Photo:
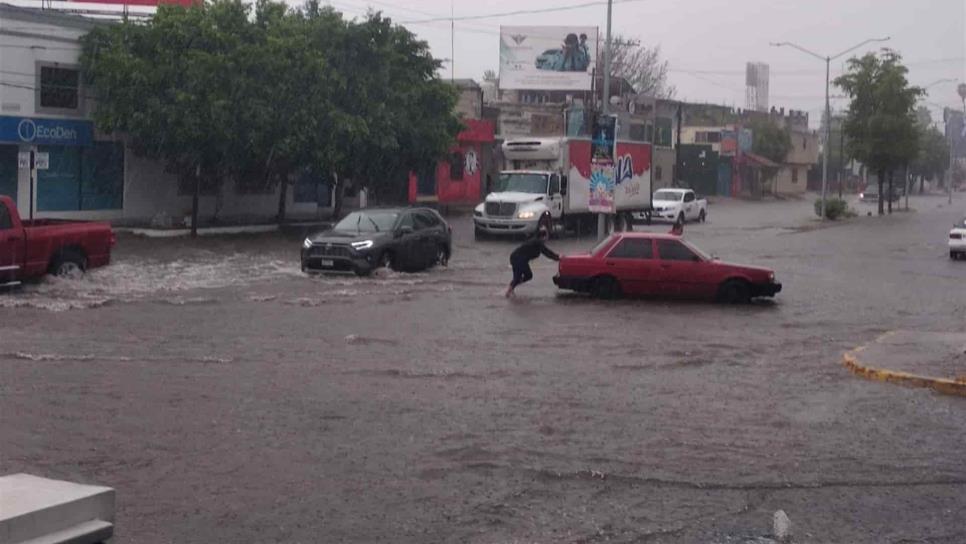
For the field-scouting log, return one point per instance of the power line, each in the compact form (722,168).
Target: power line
(518,12)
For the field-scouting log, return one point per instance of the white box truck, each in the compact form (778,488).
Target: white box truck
(546,183)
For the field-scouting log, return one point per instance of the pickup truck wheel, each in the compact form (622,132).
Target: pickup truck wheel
(702,217)
(606,288)
(478,234)
(69,264)
(681,218)
(734,292)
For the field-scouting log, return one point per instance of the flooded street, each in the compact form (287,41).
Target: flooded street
(230,398)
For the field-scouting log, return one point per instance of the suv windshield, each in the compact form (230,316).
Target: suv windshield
(373,221)
(668,195)
(522,183)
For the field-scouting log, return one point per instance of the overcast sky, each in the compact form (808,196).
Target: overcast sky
(720,37)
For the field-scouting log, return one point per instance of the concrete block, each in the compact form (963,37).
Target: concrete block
(36,510)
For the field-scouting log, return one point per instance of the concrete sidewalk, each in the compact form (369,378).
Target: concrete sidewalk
(936,360)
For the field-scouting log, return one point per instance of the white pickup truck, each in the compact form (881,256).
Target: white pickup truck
(676,204)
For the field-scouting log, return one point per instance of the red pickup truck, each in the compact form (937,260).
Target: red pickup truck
(664,265)
(30,249)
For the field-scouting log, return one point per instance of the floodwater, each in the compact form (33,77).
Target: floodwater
(228,397)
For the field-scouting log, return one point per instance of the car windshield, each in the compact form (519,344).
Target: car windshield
(522,183)
(371,221)
(668,195)
(704,256)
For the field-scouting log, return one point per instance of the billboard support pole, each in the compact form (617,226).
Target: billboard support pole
(605,107)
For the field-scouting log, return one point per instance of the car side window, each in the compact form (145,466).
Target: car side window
(689,197)
(5,221)
(632,248)
(424,221)
(407,221)
(672,250)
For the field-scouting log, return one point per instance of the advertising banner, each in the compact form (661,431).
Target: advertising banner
(628,180)
(184,3)
(35,130)
(601,187)
(547,58)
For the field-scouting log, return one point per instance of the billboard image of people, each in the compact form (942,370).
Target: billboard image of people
(547,58)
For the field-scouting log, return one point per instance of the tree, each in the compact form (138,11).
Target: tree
(881,120)
(639,65)
(770,141)
(258,95)
(933,157)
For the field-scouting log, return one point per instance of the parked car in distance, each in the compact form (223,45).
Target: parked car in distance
(957,240)
(31,249)
(871,193)
(661,265)
(406,239)
(675,205)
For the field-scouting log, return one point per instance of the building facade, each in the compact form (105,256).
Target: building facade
(46,109)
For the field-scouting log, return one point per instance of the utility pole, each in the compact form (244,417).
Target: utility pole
(452,41)
(605,107)
(828,116)
(841,155)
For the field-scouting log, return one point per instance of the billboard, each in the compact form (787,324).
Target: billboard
(547,58)
(185,3)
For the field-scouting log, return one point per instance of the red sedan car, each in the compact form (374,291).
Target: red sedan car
(649,264)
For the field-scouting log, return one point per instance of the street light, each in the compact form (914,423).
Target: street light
(828,113)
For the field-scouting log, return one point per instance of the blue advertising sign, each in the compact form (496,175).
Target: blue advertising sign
(35,130)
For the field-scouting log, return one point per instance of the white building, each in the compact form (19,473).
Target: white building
(46,108)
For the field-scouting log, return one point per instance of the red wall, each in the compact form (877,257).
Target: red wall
(467,190)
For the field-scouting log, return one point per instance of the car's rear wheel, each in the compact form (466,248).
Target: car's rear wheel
(442,255)
(69,264)
(734,292)
(605,288)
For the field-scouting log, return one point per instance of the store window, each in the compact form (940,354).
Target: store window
(794,175)
(82,178)
(59,88)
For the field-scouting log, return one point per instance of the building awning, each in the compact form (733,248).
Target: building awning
(758,160)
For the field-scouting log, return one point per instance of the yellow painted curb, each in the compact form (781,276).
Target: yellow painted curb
(940,385)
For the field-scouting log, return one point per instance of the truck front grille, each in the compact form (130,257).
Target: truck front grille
(500,209)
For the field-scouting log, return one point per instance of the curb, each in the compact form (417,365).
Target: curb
(940,385)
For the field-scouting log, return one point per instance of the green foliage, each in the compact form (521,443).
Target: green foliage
(769,140)
(834,208)
(259,93)
(881,124)
(932,159)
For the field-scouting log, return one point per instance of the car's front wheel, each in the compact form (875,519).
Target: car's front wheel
(702,217)
(442,255)
(387,260)
(734,292)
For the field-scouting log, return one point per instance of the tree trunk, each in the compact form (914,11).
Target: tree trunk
(194,202)
(282,198)
(338,197)
(881,183)
(891,175)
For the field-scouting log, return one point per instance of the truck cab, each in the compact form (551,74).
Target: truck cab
(520,202)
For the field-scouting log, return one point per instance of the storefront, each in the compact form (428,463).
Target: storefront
(459,180)
(72,173)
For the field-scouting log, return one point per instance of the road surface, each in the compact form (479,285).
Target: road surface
(229,398)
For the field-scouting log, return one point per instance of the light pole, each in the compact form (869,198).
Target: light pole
(828,114)
(961,90)
(605,107)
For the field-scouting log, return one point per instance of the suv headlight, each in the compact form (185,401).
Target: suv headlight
(526,215)
(365,244)
(307,243)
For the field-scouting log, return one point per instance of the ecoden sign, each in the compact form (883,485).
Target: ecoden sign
(547,58)
(38,131)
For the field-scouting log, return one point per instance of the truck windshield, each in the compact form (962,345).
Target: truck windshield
(522,183)
(668,195)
